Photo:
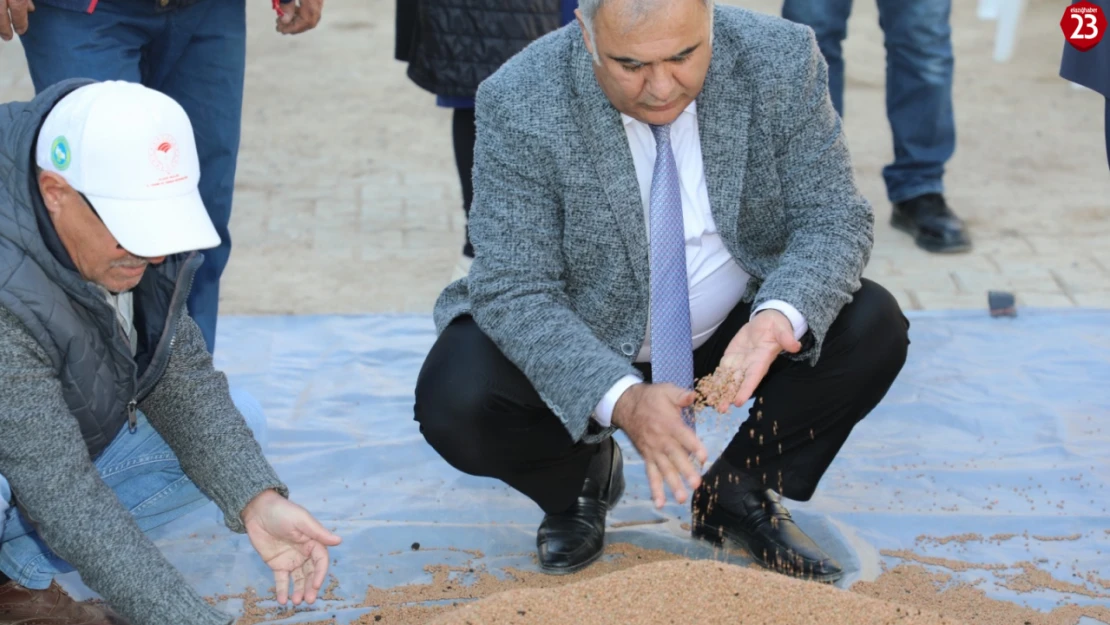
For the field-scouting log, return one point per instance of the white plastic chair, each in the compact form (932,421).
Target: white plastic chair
(1008,14)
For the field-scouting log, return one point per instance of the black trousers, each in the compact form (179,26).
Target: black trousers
(463,134)
(482,415)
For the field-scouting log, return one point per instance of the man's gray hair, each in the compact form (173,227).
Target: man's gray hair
(634,10)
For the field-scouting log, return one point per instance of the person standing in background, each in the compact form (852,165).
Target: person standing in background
(191,50)
(918,40)
(1092,70)
(451,50)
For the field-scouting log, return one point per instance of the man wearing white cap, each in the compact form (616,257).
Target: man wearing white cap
(113,419)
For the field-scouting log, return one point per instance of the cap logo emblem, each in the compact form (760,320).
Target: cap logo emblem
(60,153)
(164,154)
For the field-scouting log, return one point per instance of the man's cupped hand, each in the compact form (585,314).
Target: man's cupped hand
(754,348)
(291,542)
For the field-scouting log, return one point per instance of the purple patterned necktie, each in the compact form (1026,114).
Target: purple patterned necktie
(672,357)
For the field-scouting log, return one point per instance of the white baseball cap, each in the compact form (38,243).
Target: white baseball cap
(131,151)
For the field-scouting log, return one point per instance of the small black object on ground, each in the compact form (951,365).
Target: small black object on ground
(1001,304)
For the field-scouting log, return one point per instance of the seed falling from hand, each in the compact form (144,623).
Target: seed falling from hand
(717,389)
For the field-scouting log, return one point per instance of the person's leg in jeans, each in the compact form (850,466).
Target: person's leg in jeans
(920,64)
(200,63)
(829,21)
(61,44)
(5,502)
(146,477)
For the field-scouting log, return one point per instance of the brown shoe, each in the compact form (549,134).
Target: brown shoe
(22,606)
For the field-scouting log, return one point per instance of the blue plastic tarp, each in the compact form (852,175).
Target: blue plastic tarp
(995,426)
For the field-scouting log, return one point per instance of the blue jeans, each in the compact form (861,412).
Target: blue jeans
(194,54)
(146,477)
(919,68)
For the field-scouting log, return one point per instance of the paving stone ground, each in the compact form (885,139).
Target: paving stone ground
(347,199)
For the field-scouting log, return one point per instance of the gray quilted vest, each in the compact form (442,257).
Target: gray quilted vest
(67,315)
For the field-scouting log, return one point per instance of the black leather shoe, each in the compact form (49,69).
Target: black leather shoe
(932,224)
(758,522)
(571,540)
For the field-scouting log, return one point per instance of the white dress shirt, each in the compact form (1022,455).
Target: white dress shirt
(716,281)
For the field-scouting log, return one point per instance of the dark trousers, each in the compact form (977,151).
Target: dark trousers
(196,54)
(481,414)
(463,133)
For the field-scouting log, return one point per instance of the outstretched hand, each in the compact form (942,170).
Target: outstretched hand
(754,348)
(291,542)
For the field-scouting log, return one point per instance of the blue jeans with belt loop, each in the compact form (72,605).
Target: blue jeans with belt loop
(145,475)
(191,50)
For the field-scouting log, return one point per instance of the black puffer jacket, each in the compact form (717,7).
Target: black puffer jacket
(451,46)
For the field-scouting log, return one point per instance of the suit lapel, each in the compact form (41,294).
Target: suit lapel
(608,149)
(723,114)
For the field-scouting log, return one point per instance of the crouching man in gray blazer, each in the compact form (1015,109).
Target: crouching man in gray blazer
(662,189)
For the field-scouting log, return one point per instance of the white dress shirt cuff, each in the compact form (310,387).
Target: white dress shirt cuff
(604,412)
(795,317)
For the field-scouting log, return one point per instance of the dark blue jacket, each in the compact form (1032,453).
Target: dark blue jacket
(1091,68)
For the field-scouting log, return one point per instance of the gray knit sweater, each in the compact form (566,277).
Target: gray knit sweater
(43,456)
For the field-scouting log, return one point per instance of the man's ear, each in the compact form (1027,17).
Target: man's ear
(585,31)
(54,190)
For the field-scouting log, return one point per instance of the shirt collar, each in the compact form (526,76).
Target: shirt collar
(691,109)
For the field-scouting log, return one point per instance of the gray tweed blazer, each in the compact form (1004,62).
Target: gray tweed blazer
(560,279)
